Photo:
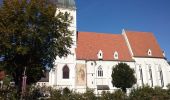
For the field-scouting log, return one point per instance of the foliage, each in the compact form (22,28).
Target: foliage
(149,93)
(160,94)
(55,94)
(6,80)
(106,96)
(141,93)
(168,89)
(7,90)
(37,93)
(9,93)
(31,37)
(77,96)
(117,95)
(89,94)
(123,76)
(66,91)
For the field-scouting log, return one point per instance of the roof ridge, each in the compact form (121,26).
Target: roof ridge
(100,33)
(138,31)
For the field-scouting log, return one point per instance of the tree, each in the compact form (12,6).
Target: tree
(31,37)
(123,76)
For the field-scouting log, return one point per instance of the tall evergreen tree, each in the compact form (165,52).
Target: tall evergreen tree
(31,37)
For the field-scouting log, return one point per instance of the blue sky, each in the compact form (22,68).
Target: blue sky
(111,16)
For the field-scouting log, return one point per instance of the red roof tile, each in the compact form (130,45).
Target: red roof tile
(89,44)
(141,42)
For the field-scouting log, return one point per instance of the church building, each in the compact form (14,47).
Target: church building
(93,55)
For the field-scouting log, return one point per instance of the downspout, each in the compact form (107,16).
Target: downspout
(86,73)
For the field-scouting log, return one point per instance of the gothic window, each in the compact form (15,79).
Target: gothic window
(161,77)
(66,72)
(150,76)
(100,72)
(141,75)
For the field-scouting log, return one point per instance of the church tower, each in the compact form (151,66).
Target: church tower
(63,73)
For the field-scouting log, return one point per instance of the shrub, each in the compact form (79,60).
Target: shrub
(55,94)
(106,96)
(119,95)
(160,94)
(89,95)
(148,93)
(141,93)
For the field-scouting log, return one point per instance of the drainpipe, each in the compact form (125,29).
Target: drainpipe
(86,73)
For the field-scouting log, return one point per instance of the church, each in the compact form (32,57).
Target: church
(93,55)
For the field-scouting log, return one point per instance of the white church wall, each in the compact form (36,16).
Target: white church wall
(93,79)
(154,63)
(57,76)
(92,73)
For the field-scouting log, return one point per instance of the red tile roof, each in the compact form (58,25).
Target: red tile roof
(89,44)
(141,42)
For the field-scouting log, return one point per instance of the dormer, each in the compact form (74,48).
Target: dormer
(100,55)
(149,52)
(116,55)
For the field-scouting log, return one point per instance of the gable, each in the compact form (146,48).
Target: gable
(142,43)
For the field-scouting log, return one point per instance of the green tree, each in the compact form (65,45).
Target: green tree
(31,37)
(123,76)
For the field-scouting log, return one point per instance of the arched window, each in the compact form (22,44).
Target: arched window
(100,72)
(141,75)
(150,76)
(161,76)
(66,72)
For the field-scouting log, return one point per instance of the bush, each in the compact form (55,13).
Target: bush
(76,96)
(141,93)
(160,94)
(106,96)
(168,89)
(9,93)
(55,94)
(148,93)
(119,95)
(89,95)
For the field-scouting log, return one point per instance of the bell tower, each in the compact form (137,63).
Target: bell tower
(57,75)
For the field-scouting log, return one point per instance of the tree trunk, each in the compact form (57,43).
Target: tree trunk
(123,89)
